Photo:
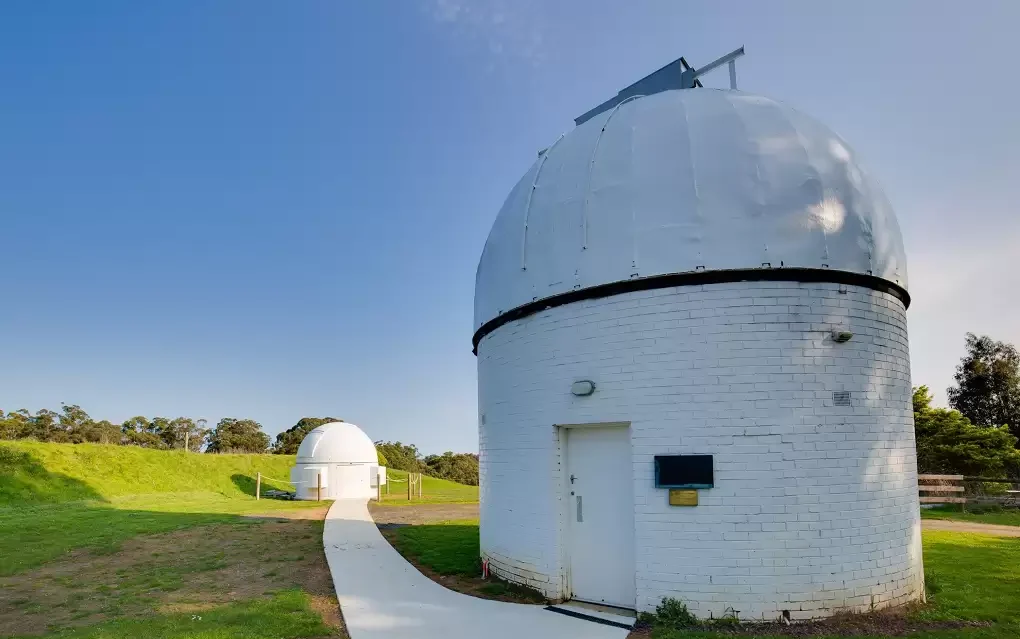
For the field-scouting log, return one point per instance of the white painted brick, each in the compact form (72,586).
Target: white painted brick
(815,506)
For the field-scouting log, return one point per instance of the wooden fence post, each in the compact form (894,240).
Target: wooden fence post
(318,486)
(258,485)
(942,489)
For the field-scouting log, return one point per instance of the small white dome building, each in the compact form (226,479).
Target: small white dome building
(345,459)
(693,375)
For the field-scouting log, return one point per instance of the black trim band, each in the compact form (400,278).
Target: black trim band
(593,618)
(693,278)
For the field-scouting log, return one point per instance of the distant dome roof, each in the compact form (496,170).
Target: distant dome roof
(682,182)
(337,443)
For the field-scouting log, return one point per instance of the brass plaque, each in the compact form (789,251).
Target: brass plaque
(679,497)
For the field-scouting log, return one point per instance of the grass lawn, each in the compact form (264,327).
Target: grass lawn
(447,547)
(1001,518)
(36,473)
(436,491)
(166,565)
(43,532)
(448,552)
(106,542)
(971,578)
(285,615)
(189,553)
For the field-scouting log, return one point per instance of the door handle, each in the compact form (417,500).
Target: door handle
(580,515)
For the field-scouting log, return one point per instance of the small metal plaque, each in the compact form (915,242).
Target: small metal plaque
(680,497)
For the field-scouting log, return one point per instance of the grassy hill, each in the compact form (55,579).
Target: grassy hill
(434,490)
(41,473)
(55,498)
(150,537)
(37,473)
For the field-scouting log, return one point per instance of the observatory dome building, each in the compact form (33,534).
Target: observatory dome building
(693,375)
(342,458)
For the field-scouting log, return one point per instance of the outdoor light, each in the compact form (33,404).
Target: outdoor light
(582,388)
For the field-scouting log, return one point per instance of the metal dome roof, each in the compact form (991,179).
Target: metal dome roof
(698,181)
(337,443)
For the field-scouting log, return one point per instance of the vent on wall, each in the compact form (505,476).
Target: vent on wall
(841,398)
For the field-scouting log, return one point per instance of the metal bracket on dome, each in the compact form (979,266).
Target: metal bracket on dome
(678,74)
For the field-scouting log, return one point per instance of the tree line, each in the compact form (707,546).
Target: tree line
(71,424)
(978,434)
(459,467)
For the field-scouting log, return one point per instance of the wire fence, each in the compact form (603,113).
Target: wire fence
(415,485)
(284,481)
(258,485)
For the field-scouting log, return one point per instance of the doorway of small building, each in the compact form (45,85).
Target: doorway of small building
(599,513)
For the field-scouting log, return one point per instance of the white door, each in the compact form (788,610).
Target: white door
(600,515)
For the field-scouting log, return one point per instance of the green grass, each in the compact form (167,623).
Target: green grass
(286,615)
(449,547)
(1000,517)
(36,472)
(59,498)
(43,532)
(436,491)
(55,498)
(970,577)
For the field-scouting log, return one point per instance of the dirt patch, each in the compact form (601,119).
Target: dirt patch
(315,514)
(887,623)
(183,571)
(421,513)
(971,527)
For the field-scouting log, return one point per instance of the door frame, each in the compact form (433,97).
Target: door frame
(562,436)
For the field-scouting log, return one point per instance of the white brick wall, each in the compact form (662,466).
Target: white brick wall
(815,506)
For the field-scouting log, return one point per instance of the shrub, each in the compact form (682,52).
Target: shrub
(672,613)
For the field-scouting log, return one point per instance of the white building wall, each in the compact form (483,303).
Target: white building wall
(815,507)
(339,481)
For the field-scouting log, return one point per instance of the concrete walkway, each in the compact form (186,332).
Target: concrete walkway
(382,596)
(970,527)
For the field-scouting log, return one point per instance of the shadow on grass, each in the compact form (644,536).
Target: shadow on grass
(244,483)
(448,549)
(24,480)
(448,553)
(43,533)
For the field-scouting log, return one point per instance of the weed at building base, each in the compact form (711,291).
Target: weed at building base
(672,620)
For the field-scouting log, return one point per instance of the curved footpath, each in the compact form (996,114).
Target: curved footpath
(383,596)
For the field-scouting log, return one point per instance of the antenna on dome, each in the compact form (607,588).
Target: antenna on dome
(678,74)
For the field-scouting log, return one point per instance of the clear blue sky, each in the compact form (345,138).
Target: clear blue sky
(269,210)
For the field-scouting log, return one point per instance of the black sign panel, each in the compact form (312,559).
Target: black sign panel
(684,471)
